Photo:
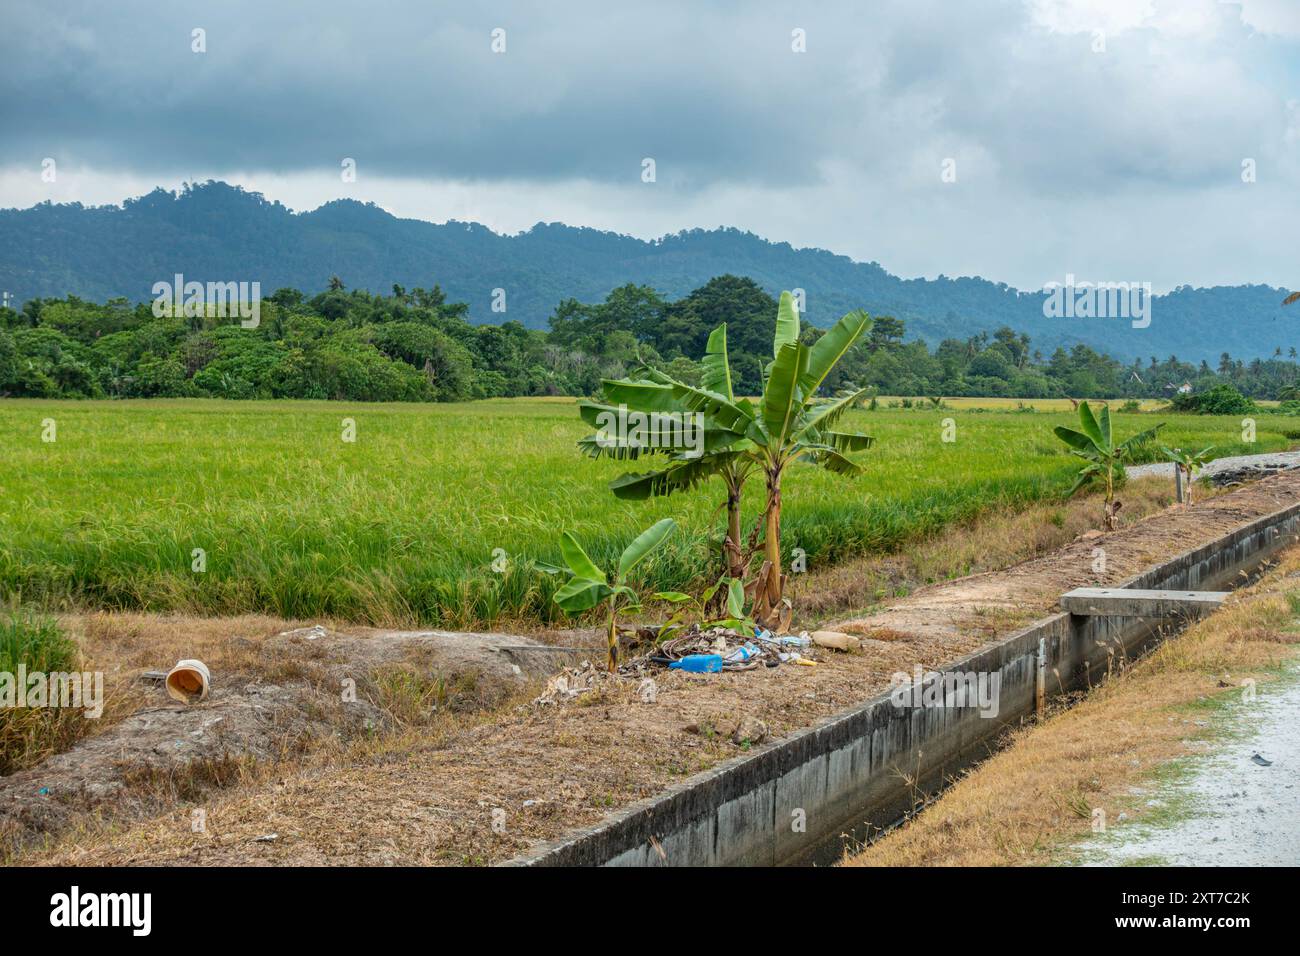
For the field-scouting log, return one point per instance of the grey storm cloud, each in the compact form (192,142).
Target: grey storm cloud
(1092,137)
(587,89)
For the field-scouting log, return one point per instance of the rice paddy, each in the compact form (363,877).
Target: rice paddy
(432,514)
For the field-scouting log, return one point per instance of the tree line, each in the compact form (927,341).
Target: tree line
(414,345)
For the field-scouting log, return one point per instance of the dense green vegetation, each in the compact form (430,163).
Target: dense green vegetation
(214,231)
(415,345)
(401,525)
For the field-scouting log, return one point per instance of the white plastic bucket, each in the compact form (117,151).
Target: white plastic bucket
(189,682)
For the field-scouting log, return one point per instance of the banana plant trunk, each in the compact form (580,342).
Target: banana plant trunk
(1110,499)
(613,638)
(731,550)
(772,537)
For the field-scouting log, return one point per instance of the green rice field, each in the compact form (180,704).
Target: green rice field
(401,526)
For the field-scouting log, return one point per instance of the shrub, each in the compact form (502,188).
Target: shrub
(36,643)
(1220,399)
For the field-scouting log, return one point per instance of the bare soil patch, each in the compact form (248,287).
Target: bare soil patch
(481,791)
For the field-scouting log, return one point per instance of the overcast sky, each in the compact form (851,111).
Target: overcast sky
(1103,138)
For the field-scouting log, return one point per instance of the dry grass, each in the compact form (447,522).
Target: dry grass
(993,541)
(1031,801)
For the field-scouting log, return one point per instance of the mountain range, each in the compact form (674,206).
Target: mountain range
(218,232)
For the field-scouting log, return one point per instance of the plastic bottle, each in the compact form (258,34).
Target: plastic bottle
(742,654)
(698,663)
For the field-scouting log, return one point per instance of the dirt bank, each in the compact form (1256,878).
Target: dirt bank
(277,695)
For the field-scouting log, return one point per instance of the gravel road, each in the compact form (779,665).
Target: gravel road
(1267,463)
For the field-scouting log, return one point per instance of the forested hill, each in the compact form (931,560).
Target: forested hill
(216,232)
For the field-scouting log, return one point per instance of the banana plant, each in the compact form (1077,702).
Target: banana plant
(1095,444)
(1190,464)
(788,424)
(589,584)
(723,452)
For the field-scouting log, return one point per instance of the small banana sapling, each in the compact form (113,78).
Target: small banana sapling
(1104,459)
(1189,464)
(589,585)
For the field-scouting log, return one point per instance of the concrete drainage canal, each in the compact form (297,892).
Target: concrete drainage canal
(802,799)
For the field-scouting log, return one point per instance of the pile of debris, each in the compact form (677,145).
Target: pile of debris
(1246,471)
(718,649)
(572,682)
(709,651)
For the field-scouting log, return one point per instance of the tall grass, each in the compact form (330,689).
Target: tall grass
(37,644)
(400,526)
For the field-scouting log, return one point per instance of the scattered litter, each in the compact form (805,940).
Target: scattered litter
(712,651)
(156,677)
(570,683)
(267,838)
(718,649)
(189,681)
(313,633)
(742,654)
(790,640)
(836,640)
(1262,761)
